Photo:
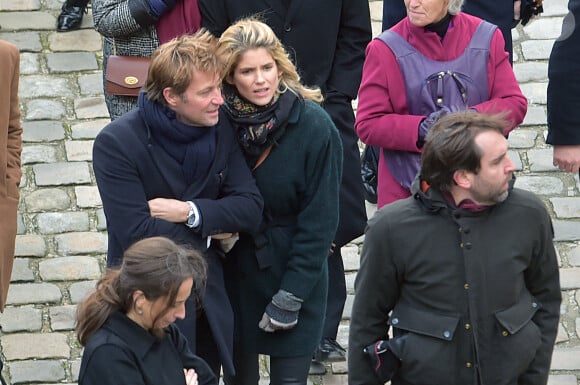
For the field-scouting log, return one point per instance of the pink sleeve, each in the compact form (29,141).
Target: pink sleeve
(505,94)
(382,118)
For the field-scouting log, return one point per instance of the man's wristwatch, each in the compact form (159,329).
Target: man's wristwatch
(190,215)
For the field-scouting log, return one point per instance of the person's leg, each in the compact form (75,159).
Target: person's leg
(289,370)
(247,370)
(1,376)
(205,345)
(329,350)
(71,15)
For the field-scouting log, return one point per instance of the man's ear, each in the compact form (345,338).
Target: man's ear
(170,96)
(463,178)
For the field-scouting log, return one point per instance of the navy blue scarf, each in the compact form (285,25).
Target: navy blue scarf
(191,146)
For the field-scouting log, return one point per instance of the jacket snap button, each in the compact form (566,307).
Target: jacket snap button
(534,304)
(468,246)
(466,286)
(504,333)
(395,321)
(467,326)
(446,334)
(468,364)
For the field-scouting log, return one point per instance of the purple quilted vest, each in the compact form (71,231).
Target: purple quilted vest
(430,85)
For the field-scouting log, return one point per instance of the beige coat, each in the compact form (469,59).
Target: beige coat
(10,171)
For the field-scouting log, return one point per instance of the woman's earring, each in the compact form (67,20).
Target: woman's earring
(139,311)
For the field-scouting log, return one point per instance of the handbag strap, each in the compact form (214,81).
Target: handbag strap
(263,157)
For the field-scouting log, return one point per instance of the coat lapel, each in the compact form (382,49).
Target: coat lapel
(286,14)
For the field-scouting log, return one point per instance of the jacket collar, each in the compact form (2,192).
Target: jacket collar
(434,200)
(139,339)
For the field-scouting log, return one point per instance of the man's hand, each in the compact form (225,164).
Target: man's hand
(190,376)
(567,158)
(171,210)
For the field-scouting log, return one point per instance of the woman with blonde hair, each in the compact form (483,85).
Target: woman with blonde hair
(280,274)
(126,324)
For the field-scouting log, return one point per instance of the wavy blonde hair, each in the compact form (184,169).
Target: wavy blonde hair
(250,33)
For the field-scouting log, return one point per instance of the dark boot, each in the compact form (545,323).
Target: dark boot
(71,15)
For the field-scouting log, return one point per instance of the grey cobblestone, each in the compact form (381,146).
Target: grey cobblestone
(32,293)
(69,268)
(101,220)
(89,129)
(21,271)
(19,319)
(36,371)
(566,207)
(80,290)
(19,5)
(537,49)
(58,174)
(89,108)
(29,63)
(42,131)
(87,196)
(62,317)
(541,160)
(91,84)
(535,92)
(22,21)
(566,231)
(574,257)
(79,150)
(54,223)
(570,278)
(24,346)
(43,109)
(566,359)
(81,40)
(541,185)
(30,246)
(522,138)
(81,243)
(26,41)
(47,199)
(38,86)
(536,116)
(71,61)
(39,154)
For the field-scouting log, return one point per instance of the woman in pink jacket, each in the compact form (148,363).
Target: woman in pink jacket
(434,61)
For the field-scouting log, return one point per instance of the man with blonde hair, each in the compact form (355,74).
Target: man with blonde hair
(172,167)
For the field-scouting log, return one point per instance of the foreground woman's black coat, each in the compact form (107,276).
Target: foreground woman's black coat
(122,352)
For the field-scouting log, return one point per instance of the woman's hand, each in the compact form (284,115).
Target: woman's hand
(171,210)
(190,376)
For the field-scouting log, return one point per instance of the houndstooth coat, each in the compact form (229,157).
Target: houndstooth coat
(124,34)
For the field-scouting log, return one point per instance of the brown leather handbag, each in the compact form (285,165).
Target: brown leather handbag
(126,74)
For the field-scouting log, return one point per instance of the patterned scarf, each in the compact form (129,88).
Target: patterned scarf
(191,146)
(258,127)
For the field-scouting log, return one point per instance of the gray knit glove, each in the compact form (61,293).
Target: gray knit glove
(281,313)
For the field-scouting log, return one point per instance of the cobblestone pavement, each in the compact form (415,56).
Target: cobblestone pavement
(62,241)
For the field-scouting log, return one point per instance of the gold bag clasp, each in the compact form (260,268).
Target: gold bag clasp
(131,80)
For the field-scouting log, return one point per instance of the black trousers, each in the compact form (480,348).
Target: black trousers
(76,3)
(283,370)
(195,327)
(336,295)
